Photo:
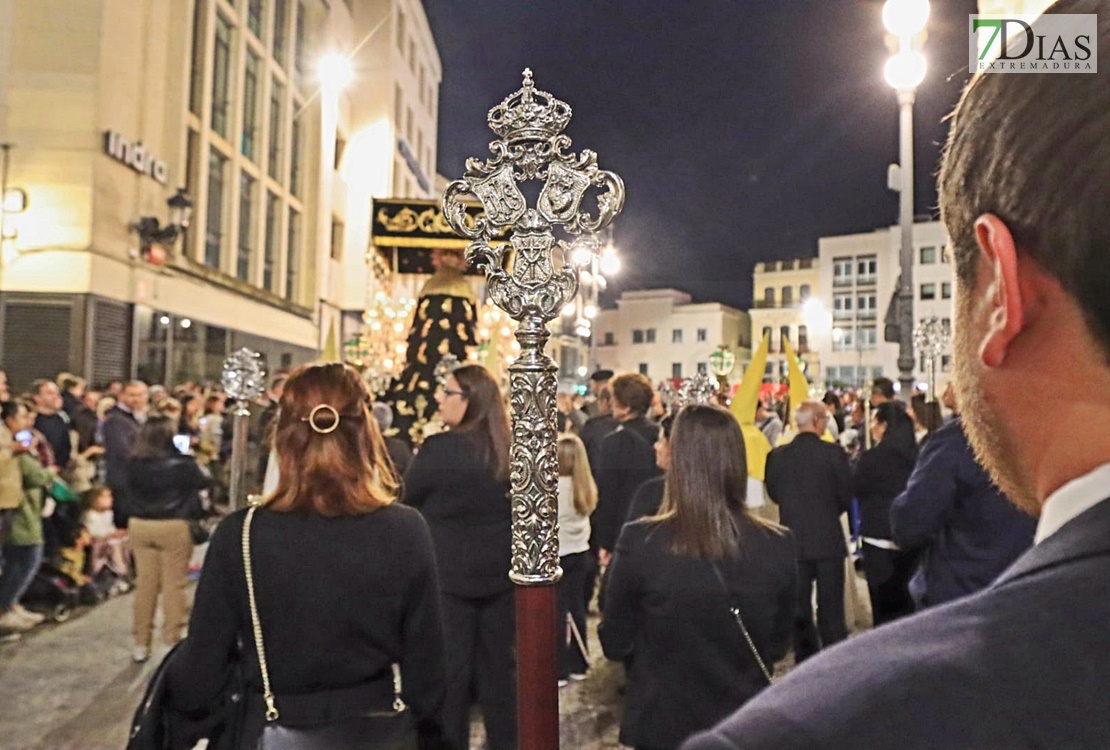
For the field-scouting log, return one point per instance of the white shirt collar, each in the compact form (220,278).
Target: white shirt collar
(1073,498)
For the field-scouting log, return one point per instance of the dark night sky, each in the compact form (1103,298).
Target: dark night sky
(743,129)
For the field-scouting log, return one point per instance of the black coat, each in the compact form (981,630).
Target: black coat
(970,530)
(592,433)
(812,484)
(627,461)
(647,500)
(119,431)
(691,665)
(165,487)
(880,476)
(1019,665)
(83,420)
(469,513)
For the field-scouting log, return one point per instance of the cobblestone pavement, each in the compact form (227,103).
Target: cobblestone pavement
(72,686)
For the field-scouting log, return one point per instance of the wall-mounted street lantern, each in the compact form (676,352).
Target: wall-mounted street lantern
(153,235)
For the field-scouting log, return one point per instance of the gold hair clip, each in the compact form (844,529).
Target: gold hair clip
(311,419)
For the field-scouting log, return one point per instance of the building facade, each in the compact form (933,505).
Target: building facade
(663,334)
(858,276)
(781,310)
(114,110)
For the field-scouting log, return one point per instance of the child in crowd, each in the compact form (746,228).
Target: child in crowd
(577,500)
(107,542)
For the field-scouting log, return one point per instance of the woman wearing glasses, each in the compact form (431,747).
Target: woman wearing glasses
(460,482)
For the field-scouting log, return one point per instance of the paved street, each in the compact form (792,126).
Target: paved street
(73,687)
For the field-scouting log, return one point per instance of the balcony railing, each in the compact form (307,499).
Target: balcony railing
(840,281)
(866,280)
(867,314)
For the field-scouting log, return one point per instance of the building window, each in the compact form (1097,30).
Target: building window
(292,257)
(868,339)
(784,334)
(246,227)
(803,292)
(221,76)
(703,368)
(281,12)
(608,340)
(787,296)
(193,156)
(842,306)
(398,105)
(803,340)
(214,226)
(842,271)
(703,335)
(866,269)
(928,255)
(928,291)
(273,205)
(249,142)
(770,338)
(336,240)
(649,335)
(408,125)
(769,296)
(254,16)
(196,80)
(277,96)
(676,369)
(412,55)
(867,306)
(946,290)
(299,54)
(401,30)
(945,362)
(637,336)
(643,368)
(843,340)
(295,172)
(676,336)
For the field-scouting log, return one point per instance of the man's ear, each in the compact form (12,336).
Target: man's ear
(1001,293)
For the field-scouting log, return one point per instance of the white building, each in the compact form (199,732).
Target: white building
(113,109)
(781,289)
(663,334)
(858,277)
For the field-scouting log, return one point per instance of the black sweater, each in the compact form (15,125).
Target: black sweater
(339,599)
(469,513)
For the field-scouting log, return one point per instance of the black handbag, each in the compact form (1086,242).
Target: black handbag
(372,730)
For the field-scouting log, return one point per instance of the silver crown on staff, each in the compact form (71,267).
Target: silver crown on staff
(698,390)
(244,378)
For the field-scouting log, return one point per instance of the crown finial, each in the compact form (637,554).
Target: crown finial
(528,78)
(529,114)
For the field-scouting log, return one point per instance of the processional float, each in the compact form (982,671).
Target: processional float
(531,277)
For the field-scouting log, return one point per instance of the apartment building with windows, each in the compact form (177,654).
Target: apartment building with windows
(114,110)
(663,334)
(781,290)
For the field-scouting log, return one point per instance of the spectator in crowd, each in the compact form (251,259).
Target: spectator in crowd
(649,496)
(11,481)
(598,380)
(266,422)
(114,389)
(882,391)
(598,427)
(577,500)
(969,530)
(344,580)
(24,543)
(5,394)
(926,417)
(1019,664)
(400,455)
(769,423)
(880,476)
(682,582)
(836,413)
(459,480)
(106,539)
(51,421)
(82,417)
(165,486)
(811,482)
(575,417)
(627,460)
(119,429)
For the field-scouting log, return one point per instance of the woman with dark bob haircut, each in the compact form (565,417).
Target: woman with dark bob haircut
(460,482)
(676,575)
(345,579)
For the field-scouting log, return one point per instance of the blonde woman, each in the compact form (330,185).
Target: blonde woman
(577,500)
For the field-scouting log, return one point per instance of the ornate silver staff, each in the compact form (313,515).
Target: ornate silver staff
(244,380)
(700,389)
(532,279)
(931,337)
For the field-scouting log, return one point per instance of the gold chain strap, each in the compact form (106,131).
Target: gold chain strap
(267,693)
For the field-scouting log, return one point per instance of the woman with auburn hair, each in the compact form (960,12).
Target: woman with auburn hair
(701,595)
(460,482)
(344,580)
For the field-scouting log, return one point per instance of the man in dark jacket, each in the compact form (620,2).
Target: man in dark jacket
(82,419)
(121,426)
(598,427)
(627,460)
(1021,663)
(970,531)
(51,421)
(812,484)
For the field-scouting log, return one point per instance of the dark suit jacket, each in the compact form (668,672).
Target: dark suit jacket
(691,664)
(1019,665)
(469,513)
(120,429)
(812,484)
(627,461)
(881,474)
(647,500)
(592,433)
(972,531)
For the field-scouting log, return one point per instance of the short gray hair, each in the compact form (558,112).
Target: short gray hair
(383,415)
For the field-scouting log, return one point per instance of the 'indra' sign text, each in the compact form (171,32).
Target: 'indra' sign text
(136,156)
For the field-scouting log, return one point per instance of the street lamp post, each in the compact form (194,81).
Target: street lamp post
(905,70)
(533,278)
